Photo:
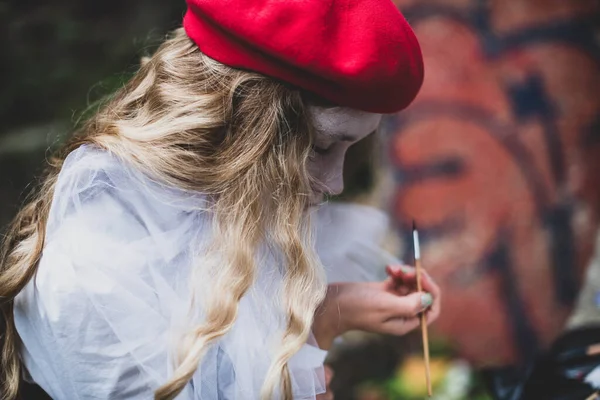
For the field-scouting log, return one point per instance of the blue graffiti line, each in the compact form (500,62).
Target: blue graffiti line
(530,97)
(591,134)
(578,32)
(562,252)
(504,134)
(448,167)
(555,217)
(526,338)
(530,100)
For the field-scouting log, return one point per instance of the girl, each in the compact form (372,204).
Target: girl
(169,251)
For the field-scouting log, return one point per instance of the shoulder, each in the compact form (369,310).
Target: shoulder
(112,269)
(108,223)
(97,192)
(111,280)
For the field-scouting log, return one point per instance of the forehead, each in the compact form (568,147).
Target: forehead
(342,120)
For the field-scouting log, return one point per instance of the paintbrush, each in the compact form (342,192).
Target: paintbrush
(417,252)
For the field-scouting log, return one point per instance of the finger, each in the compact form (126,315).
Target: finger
(397,287)
(400,326)
(328,374)
(408,274)
(400,289)
(403,278)
(436,308)
(325,396)
(427,282)
(434,311)
(409,305)
(432,315)
(400,271)
(429,285)
(403,290)
(409,285)
(328,395)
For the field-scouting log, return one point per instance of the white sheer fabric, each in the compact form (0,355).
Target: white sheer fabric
(110,298)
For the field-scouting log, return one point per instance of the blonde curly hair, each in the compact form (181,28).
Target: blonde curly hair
(242,139)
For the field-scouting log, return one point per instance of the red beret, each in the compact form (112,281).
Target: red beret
(355,53)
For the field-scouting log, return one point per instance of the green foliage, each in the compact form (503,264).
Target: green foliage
(55,54)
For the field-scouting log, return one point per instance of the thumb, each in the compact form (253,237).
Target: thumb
(400,271)
(418,302)
(328,374)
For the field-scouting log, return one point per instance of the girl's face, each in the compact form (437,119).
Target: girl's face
(336,130)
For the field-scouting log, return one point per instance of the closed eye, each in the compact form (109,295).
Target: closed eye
(322,150)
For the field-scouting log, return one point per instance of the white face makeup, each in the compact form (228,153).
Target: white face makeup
(336,130)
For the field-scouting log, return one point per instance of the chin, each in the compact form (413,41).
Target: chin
(316,201)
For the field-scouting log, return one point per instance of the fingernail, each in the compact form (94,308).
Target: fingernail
(426,300)
(407,269)
(401,268)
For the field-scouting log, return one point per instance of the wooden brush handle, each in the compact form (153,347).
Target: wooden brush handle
(424,331)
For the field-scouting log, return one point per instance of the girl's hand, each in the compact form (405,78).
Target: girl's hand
(328,395)
(389,307)
(403,280)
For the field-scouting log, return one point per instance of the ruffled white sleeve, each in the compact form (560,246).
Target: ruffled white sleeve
(110,297)
(350,242)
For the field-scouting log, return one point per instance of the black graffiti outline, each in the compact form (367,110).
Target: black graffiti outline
(555,215)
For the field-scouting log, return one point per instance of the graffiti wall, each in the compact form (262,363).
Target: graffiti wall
(488,161)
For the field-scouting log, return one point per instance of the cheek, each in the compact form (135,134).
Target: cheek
(325,168)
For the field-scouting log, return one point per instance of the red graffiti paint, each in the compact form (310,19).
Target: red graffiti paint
(484,161)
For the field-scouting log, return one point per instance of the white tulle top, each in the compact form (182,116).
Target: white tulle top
(102,316)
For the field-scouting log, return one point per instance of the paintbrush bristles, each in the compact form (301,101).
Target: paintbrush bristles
(416,244)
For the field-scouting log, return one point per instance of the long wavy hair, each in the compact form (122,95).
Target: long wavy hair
(240,138)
